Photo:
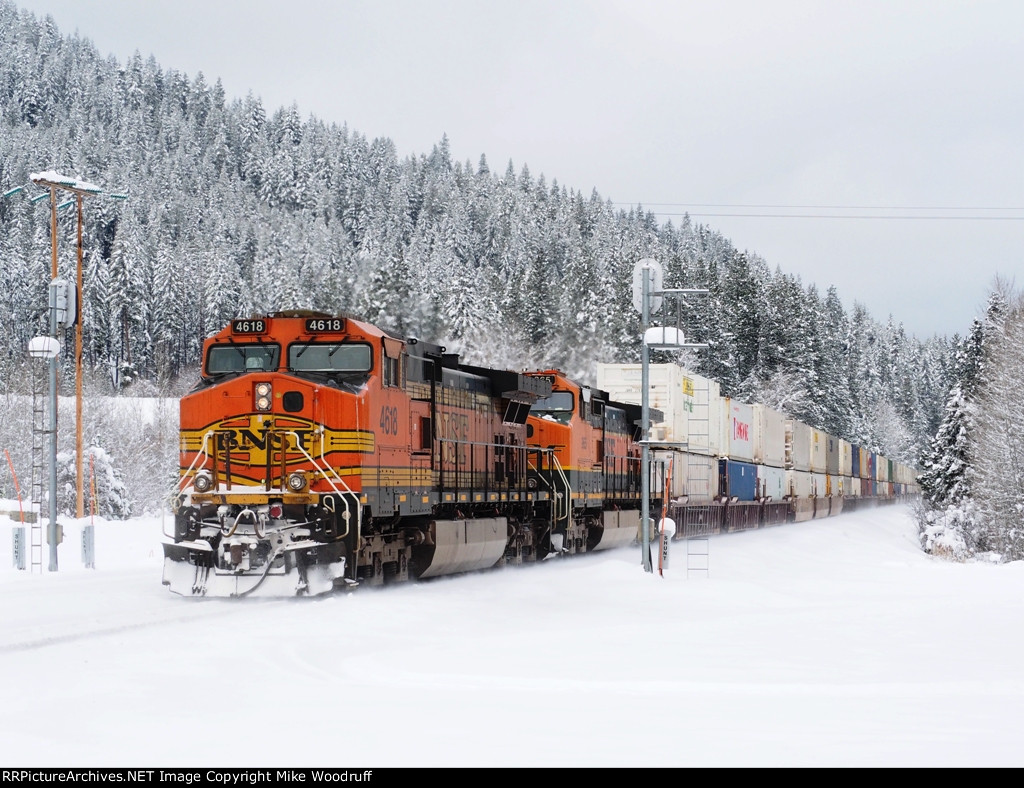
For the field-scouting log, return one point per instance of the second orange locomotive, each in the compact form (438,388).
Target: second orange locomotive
(320,452)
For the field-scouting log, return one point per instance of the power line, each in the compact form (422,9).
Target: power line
(831,207)
(838,216)
(872,216)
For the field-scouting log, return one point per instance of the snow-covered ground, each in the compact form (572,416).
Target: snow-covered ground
(830,643)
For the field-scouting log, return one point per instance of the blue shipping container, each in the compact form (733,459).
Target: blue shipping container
(737,479)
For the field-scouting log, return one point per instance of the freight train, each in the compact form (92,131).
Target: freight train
(318,452)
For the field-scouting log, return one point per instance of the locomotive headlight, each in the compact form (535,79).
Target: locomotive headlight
(264,397)
(297,482)
(202,481)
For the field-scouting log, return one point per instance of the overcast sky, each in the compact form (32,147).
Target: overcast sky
(880,109)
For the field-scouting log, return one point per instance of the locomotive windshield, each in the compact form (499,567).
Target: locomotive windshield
(558,402)
(329,357)
(223,359)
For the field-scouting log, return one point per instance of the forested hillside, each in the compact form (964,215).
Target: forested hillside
(235,208)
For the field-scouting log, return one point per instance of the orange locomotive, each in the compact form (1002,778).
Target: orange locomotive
(319,452)
(595,453)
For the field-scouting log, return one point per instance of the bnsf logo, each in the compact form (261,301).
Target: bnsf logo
(247,439)
(740,430)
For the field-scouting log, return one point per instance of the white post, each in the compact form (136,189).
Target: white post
(645,451)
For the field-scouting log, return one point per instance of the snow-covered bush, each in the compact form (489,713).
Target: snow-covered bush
(946,533)
(104,490)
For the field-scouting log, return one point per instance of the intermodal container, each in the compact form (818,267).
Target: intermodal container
(799,484)
(798,445)
(832,455)
(769,437)
(737,480)
(771,482)
(690,402)
(693,476)
(819,450)
(845,458)
(737,430)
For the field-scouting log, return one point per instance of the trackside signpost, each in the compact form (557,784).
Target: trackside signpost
(666,530)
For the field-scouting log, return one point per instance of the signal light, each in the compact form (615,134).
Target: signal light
(297,482)
(203,481)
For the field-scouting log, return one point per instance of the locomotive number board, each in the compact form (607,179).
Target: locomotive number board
(325,325)
(249,326)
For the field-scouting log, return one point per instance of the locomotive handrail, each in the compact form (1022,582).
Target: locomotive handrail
(201,452)
(313,462)
(553,460)
(524,449)
(536,470)
(323,458)
(567,498)
(568,488)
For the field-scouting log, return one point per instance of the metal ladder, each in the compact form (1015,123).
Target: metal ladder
(699,482)
(40,435)
(698,556)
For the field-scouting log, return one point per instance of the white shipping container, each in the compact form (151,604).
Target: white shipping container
(819,451)
(798,445)
(684,398)
(771,482)
(845,458)
(819,484)
(851,486)
(799,483)
(737,430)
(694,476)
(769,436)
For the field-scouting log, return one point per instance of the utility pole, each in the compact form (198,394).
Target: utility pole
(65,311)
(80,189)
(79,477)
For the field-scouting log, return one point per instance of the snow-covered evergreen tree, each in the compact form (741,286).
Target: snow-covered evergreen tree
(944,479)
(996,473)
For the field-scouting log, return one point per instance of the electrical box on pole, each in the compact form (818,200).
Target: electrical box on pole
(64,302)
